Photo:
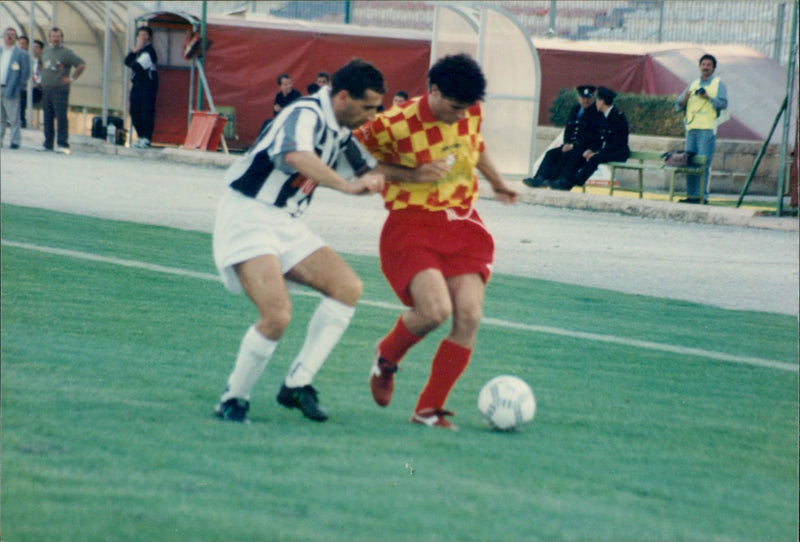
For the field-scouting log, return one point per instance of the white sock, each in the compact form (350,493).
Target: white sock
(326,327)
(254,353)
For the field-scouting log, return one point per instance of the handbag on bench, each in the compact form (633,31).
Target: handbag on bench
(677,158)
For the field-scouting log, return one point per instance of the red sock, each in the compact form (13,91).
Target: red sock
(395,345)
(449,362)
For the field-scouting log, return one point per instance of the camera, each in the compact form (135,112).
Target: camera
(700,91)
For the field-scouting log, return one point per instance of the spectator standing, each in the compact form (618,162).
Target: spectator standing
(705,103)
(259,243)
(286,95)
(15,69)
(613,144)
(60,68)
(142,60)
(36,71)
(24,44)
(581,132)
(435,251)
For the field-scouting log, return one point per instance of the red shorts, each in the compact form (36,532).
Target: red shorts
(416,240)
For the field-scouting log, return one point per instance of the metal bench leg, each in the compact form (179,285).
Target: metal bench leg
(641,188)
(611,182)
(672,186)
(703,182)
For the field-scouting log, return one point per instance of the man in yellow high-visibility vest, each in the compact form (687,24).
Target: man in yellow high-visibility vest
(703,101)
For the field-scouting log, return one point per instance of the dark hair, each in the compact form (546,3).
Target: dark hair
(356,77)
(606,95)
(325,75)
(708,57)
(607,99)
(402,93)
(459,78)
(282,76)
(146,29)
(57,29)
(23,37)
(40,43)
(312,88)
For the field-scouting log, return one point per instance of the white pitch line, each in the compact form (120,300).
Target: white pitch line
(648,345)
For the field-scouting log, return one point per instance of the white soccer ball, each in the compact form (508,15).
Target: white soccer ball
(506,403)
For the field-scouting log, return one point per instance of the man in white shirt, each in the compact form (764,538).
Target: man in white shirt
(15,69)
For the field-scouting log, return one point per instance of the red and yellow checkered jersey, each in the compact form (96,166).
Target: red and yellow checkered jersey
(409,135)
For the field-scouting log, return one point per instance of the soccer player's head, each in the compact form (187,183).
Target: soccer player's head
(459,78)
(357,89)
(356,77)
(455,83)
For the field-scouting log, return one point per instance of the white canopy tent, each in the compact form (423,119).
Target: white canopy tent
(506,54)
(98,32)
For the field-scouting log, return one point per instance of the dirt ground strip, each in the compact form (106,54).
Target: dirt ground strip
(733,267)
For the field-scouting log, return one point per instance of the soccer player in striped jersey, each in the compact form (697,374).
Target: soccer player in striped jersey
(259,243)
(435,251)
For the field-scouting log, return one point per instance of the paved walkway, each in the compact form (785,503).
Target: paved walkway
(648,208)
(567,239)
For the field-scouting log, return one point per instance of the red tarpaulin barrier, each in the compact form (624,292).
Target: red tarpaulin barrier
(246,59)
(247,56)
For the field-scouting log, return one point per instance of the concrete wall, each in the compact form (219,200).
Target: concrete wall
(733,160)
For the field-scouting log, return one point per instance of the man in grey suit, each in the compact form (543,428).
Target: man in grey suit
(15,69)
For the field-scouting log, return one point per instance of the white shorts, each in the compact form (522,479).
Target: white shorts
(246,228)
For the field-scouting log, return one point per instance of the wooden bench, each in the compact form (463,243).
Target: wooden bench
(653,161)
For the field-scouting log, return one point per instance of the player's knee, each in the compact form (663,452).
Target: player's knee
(348,292)
(274,322)
(435,313)
(467,319)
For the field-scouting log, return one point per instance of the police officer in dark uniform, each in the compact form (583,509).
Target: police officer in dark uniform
(581,132)
(613,144)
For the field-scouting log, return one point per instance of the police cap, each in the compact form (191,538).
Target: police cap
(606,94)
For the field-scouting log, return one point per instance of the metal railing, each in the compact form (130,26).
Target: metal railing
(763,25)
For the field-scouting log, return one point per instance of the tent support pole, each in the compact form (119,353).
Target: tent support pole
(761,154)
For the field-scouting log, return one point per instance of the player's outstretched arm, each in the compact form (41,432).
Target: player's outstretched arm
(502,192)
(309,165)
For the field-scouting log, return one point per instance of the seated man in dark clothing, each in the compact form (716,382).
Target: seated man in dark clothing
(286,95)
(613,144)
(581,132)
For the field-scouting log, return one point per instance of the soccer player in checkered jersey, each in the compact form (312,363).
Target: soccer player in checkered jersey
(435,251)
(259,243)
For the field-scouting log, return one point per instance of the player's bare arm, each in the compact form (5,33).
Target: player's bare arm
(309,165)
(502,192)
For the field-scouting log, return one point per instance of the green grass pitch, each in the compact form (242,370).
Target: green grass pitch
(110,373)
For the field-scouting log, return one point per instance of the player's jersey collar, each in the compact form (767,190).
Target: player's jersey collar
(425,113)
(327,108)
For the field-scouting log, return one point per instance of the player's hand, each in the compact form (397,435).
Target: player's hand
(432,171)
(367,184)
(506,195)
(566,147)
(588,154)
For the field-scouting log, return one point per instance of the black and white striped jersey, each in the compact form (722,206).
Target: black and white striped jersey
(307,124)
